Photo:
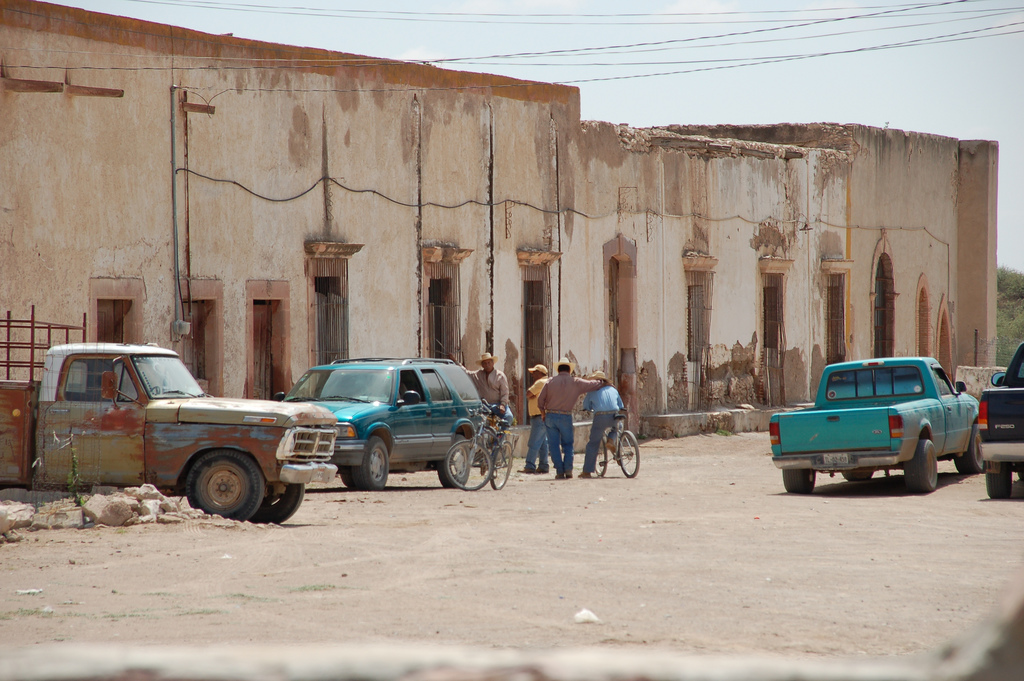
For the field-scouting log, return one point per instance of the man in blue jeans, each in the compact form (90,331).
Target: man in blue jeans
(537,445)
(556,402)
(605,403)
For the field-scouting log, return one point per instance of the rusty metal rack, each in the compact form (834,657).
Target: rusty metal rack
(24,342)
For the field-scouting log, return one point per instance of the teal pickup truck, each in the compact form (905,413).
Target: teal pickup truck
(879,414)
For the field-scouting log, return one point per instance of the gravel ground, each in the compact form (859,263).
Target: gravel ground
(703,552)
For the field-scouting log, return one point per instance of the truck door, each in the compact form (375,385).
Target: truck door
(442,411)
(945,441)
(102,439)
(959,415)
(413,439)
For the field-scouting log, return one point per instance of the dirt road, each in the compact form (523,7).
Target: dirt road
(702,552)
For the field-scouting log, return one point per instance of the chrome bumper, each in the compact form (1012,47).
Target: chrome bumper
(816,461)
(348,452)
(305,473)
(1002,451)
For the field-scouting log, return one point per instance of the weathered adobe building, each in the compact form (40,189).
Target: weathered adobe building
(295,206)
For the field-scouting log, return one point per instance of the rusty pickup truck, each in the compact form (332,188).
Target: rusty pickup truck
(123,415)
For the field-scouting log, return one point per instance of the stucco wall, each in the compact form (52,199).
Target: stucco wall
(399,158)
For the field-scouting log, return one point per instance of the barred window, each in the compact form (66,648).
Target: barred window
(774,343)
(536,315)
(836,319)
(330,308)
(699,294)
(444,331)
(698,312)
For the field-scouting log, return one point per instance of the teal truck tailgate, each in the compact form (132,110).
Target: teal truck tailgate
(834,430)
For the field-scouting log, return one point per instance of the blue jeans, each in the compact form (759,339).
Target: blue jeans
(602,422)
(537,445)
(560,433)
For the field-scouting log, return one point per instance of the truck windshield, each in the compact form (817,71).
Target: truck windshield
(352,385)
(165,377)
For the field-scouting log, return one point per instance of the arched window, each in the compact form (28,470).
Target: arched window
(885,307)
(924,330)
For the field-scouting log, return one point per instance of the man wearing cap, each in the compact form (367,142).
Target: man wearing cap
(491,383)
(538,442)
(556,403)
(605,403)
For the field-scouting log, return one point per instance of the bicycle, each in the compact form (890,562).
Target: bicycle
(487,458)
(624,450)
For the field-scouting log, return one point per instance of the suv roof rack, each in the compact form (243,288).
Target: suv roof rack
(408,360)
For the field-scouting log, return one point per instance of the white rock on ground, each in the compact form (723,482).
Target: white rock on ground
(19,514)
(112,511)
(118,508)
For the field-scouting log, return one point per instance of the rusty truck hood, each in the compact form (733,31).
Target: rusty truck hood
(229,411)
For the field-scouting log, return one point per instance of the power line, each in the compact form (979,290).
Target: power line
(746,61)
(935,40)
(535,19)
(838,34)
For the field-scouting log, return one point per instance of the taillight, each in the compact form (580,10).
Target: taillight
(983,415)
(895,426)
(773,432)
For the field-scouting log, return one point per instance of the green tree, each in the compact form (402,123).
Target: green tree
(1009,312)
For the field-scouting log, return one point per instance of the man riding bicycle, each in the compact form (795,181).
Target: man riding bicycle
(605,403)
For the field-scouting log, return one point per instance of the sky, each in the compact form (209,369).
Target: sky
(945,67)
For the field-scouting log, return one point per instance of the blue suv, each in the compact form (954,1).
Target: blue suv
(397,415)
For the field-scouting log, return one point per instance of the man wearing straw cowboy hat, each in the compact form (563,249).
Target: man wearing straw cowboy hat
(556,403)
(605,403)
(538,443)
(491,383)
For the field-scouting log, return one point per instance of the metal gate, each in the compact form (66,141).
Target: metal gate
(774,347)
(444,329)
(699,294)
(330,308)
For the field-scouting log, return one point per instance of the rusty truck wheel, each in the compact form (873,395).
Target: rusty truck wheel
(278,508)
(226,482)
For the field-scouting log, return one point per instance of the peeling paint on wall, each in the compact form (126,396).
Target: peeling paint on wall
(648,388)
(818,365)
(731,379)
(772,240)
(678,390)
(795,375)
(515,381)
(300,139)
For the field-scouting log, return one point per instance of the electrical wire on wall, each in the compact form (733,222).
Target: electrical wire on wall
(563,211)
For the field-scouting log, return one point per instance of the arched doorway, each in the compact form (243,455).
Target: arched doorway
(620,265)
(924,326)
(885,308)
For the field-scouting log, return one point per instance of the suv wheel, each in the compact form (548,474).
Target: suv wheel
(372,474)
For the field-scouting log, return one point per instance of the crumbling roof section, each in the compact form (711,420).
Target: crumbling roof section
(645,140)
(807,135)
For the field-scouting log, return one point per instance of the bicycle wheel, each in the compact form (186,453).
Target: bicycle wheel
(468,465)
(601,467)
(629,454)
(502,465)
